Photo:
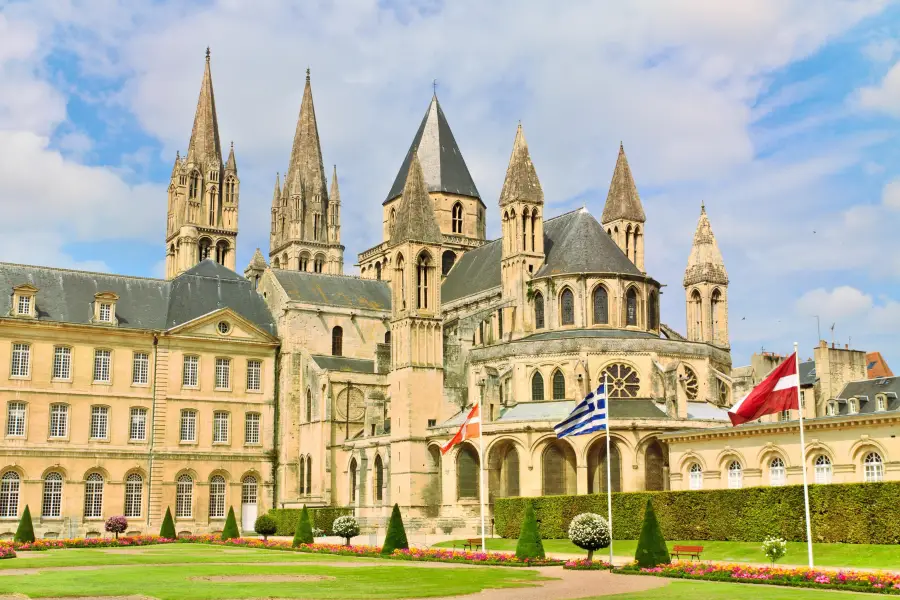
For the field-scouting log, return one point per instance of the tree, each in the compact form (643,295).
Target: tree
(395,539)
(25,532)
(303,534)
(265,526)
(530,545)
(651,548)
(347,527)
(230,530)
(116,525)
(589,532)
(168,526)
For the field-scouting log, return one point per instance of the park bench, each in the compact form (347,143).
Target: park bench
(472,544)
(691,551)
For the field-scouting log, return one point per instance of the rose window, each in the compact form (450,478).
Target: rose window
(689,381)
(622,379)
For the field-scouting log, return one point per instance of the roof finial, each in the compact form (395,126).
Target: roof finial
(207,54)
(307,74)
(434,87)
(703,207)
(178,155)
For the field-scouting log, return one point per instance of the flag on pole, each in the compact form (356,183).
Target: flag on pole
(775,393)
(471,428)
(588,416)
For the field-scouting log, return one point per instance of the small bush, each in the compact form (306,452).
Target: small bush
(168,526)
(774,548)
(25,531)
(265,526)
(589,532)
(303,534)
(651,548)
(230,531)
(347,527)
(530,544)
(116,525)
(396,534)
(317,532)
(321,518)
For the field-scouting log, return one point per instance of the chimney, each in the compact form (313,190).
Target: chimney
(846,346)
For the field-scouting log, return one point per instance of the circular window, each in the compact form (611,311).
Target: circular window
(623,380)
(691,387)
(224,327)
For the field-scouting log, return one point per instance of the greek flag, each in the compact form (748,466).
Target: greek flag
(588,416)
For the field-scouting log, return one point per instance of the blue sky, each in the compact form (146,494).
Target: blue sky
(781,116)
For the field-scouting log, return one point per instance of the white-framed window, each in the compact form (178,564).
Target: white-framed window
(696,477)
(140,368)
(777,473)
(248,490)
(217,497)
(24,305)
(823,469)
(830,409)
(873,468)
(102,361)
(784,415)
(735,475)
(251,428)
(15,419)
(93,496)
(880,403)
(51,506)
(137,430)
(99,422)
(184,497)
(190,370)
(254,375)
(220,427)
(9,495)
(223,373)
(105,312)
(134,493)
(62,363)
(21,360)
(189,426)
(59,420)
(852,406)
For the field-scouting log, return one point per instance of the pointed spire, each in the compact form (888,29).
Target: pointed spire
(334,197)
(521,181)
(177,166)
(276,197)
(231,165)
(623,201)
(258,261)
(705,263)
(204,145)
(306,171)
(415,218)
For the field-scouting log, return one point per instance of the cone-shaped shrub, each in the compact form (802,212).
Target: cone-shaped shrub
(651,548)
(530,545)
(25,532)
(168,526)
(230,530)
(303,534)
(395,539)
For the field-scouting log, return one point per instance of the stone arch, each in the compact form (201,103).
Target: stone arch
(689,458)
(600,305)
(448,259)
(539,316)
(537,386)
(378,479)
(467,460)
(817,448)
(558,469)
(596,458)
(504,464)
(65,473)
(97,469)
(768,452)
(863,446)
(727,455)
(566,301)
(656,465)
(632,306)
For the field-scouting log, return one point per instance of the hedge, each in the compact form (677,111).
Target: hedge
(856,513)
(286,519)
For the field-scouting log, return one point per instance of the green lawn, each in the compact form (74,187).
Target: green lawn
(694,590)
(869,556)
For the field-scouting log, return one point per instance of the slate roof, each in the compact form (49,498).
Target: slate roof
(706,411)
(476,271)
(622,201)
(521,183)
(415,218)
(808,372)
(442,163)
(866,390)
(588,333)
(67,296)
(334,290)
(344,364)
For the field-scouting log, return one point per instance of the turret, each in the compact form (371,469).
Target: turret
(706,287)
(334,210)
(623,216)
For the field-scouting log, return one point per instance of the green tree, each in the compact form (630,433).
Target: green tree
(25,532)
(395,539)
(265,526)
(530,545)
(168,526)
(651,548)
(231,529)
(303,534)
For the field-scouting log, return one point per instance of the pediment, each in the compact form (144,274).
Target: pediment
(223,324)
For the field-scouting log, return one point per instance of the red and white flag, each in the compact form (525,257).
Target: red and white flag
(471,428)
(777,392)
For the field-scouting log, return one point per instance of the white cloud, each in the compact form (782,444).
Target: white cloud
(885,96)
(890,195)
(881,50)
(839,303)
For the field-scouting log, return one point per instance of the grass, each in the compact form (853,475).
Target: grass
(867,556)
(692,590)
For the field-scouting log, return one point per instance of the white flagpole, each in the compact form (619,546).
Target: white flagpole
(481,471)
(809,547)
(608,469)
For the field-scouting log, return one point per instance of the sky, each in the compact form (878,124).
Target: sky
(780,115)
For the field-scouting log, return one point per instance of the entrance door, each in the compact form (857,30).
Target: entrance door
(248,503)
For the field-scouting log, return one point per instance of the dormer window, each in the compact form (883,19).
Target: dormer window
(24,305)
(23,300)
(105,312)
(880,403)
(105,308)
(852,406)
(830,409)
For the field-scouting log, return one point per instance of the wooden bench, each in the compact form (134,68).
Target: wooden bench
(472,544)
(691,551)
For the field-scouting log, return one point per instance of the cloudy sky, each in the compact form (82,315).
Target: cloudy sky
(781,115)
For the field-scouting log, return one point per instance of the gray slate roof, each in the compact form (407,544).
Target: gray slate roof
(344,364)
(706,411)
(588,333)
(476,271)
(808,372)
(335,290)
(866,390)
(67,296)
(415,218)
(442,163)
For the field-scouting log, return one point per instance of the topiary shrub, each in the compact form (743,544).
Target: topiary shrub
(117,524)
(265,526)
(530,545)
(651,549)
(321,518)
(303,534)
(395,539)
(168,526)
(347,527)
(230,531)
(25,531)
(589,532)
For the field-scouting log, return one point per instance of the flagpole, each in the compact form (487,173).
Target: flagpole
(481,472)
(608,469)
(809,547)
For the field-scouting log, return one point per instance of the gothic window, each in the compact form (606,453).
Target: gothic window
(537,386)
(457,218)
(653,312)
(525,220)
(601,306)
(654,467)
(308,475)
(567,307)
(379,480)
(467,472)
(534,218)
(387,337)
(316,227)
(538,311)
(722,392)
(508,484)
(634,244)
(309,394)
(627,241)
(221,251)
(212,206)
(378,271)
(447,261)
(337,341)
(304,262)
(205,248)
(229,190)
(553,469)
(696,324)
(505,227)
(631,307)
(352,481)
(194,187)
(401,273)
(319,263)
(597,479)
(391,222)
(302,475)
(276,263)
(715,305)
(500,323)
(422,273)
(690,383)
(559,385)
(623,380)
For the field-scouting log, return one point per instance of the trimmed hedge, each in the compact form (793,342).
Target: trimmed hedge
(286,519)
(855,513)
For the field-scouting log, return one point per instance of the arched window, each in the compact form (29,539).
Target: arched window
(378,271)
(627,241)
(567,307)
(93,496)
(391,221)
(467,472)
(308,475)
(249,490)
(184,497)
(823,469)
(690,383)
(631,307)
(622,379)
(221,251)
(597,468)
(52,501)
(302,475)
(696,477)
(634,245)
(379,479)
(134,494)
(735,475)
(601,306)
(448,259)
(276,263)
(337,341)
(538,310)
(559,385)
(696,323)
(873,468)
(303,264)
(194,186)
(777,474)
(537,386)
(205,245)
(9,495)
(217,497)
(525,220)
(504,471)
(654,467)
(401,274)
(422,275)
(652,312)
(309,405)
(457,218)
(387,337)
(319,263)
(715,305)
(554,470)
(229,190)
(352,481)
(534,218)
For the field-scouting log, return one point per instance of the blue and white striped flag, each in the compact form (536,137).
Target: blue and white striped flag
(588,416)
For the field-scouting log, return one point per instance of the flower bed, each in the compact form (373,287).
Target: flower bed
(123,542)
(478,558)
(584,564)
(7,552)
(856,581)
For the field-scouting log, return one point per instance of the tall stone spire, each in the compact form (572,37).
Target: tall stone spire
(334,196)
(306,170)
(276,197)
(415,220)
(706,288)
(231,163)
(204,145)
(334,210)
(705,263)
(521,183)
(622,201)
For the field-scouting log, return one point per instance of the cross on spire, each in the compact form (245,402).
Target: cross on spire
(434,86)
(207,54)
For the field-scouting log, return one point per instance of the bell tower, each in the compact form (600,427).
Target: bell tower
(706,288)
(623,216)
